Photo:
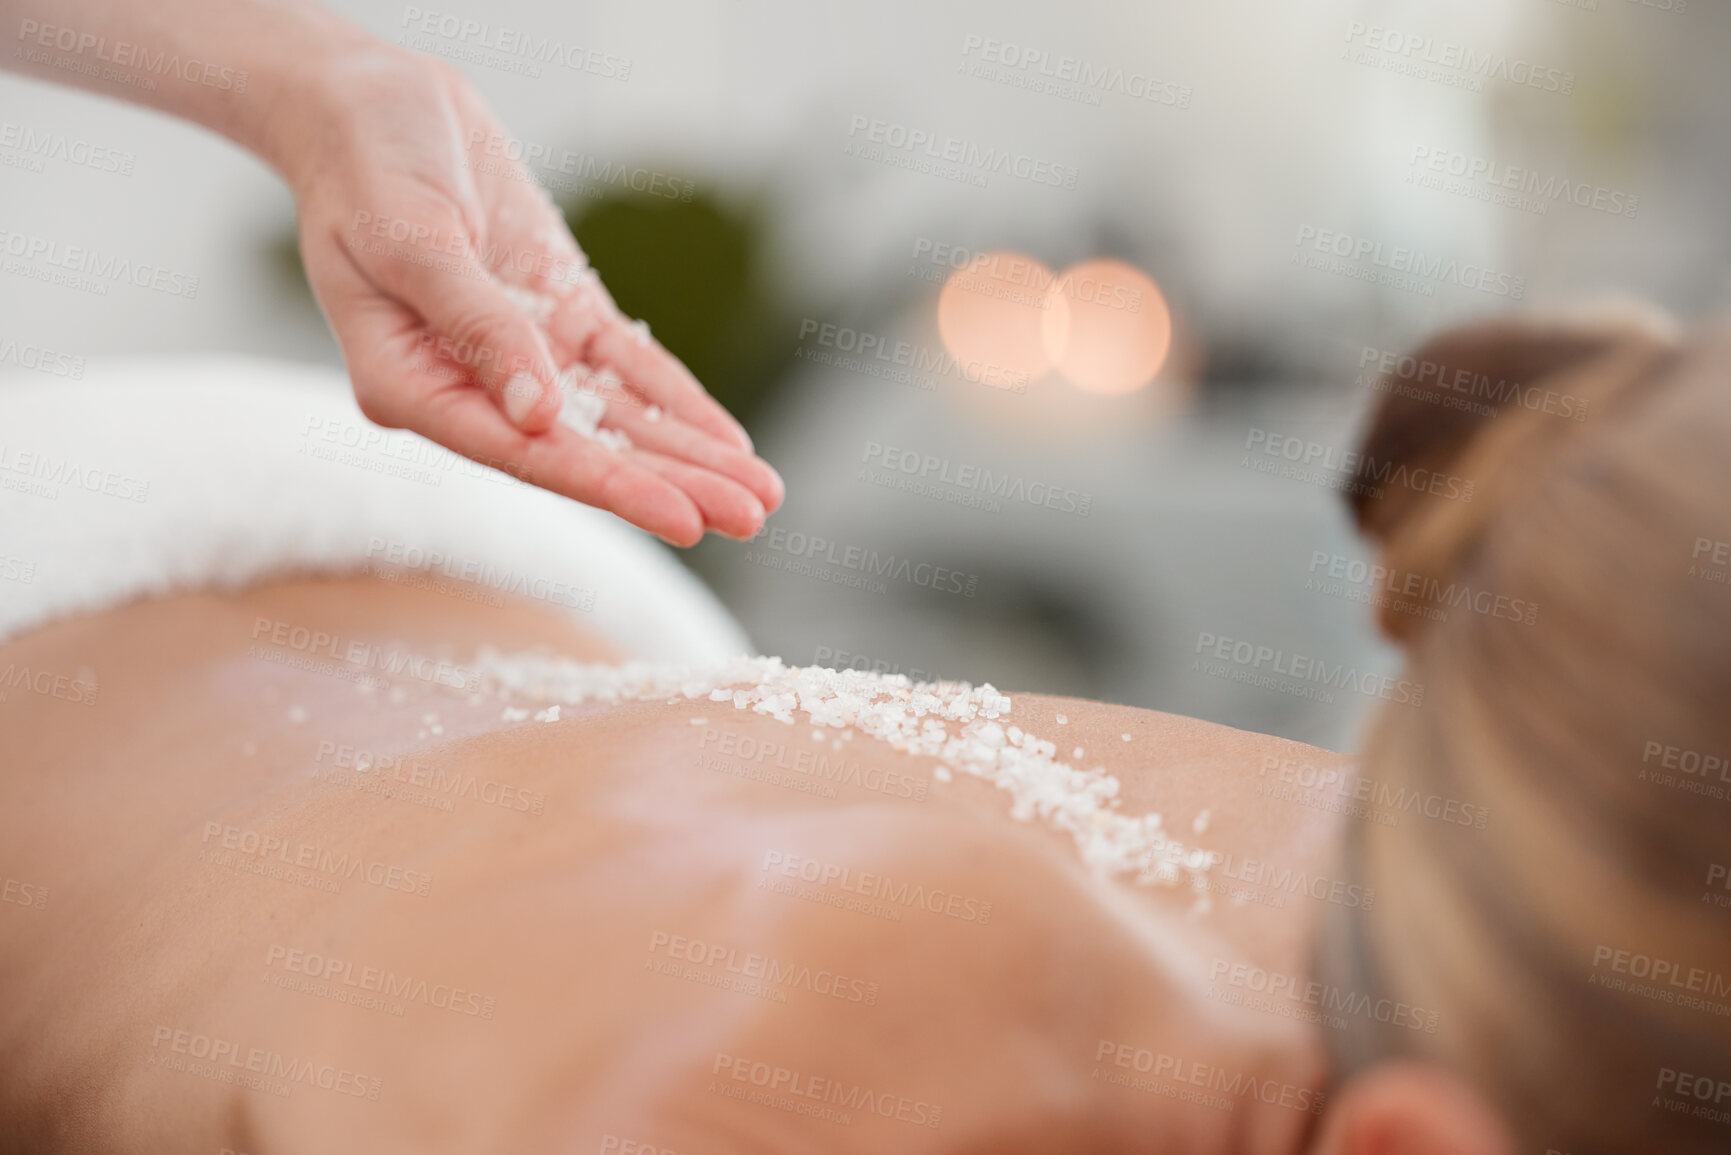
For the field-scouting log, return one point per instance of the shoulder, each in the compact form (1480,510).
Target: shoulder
(1159,756)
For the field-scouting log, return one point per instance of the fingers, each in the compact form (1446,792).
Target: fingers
(384,344)
(563,461)
(733,489)
(728,507)
(677,485)
(585,324)
(480,326)
(382,341)
(664,434)
(675,500)
(599,335)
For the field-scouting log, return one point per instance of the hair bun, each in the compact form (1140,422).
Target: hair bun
(1484,407)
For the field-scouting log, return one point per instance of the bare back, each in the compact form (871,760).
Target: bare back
(299,887)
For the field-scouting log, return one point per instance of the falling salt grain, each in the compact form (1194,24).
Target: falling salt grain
(1201,824)
(942,773)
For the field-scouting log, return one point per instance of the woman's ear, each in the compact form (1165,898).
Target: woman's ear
(1411,1108)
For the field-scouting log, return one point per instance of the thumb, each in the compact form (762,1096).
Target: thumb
(478,324)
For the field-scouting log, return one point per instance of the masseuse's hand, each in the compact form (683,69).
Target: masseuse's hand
(415,227)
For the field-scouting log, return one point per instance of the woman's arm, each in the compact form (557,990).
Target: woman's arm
(238,67)
(414,251)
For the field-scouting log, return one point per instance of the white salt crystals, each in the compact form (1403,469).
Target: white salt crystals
(955,723)
(582,411)
(539,306)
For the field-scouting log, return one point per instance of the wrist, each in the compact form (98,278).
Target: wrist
(302,92)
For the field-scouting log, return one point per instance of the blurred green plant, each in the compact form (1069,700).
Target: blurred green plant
(696,271)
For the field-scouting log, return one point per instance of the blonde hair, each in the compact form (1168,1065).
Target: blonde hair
(1523,932)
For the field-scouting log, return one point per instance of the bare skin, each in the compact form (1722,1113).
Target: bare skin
(591,882)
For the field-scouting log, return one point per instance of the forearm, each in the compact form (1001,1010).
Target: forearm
(242,68)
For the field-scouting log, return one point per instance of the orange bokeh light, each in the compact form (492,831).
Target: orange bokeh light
(992,318)
(1106,327)
(1008,320)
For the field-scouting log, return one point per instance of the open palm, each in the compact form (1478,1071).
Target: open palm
(458,295)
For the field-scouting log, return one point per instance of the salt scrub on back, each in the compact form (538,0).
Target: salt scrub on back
(958,724)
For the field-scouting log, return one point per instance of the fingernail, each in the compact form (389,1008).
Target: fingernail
(522,394)
(745,439)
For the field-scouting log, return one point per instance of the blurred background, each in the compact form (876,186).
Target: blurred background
(1059,320)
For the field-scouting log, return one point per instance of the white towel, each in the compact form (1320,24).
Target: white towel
(154,476)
